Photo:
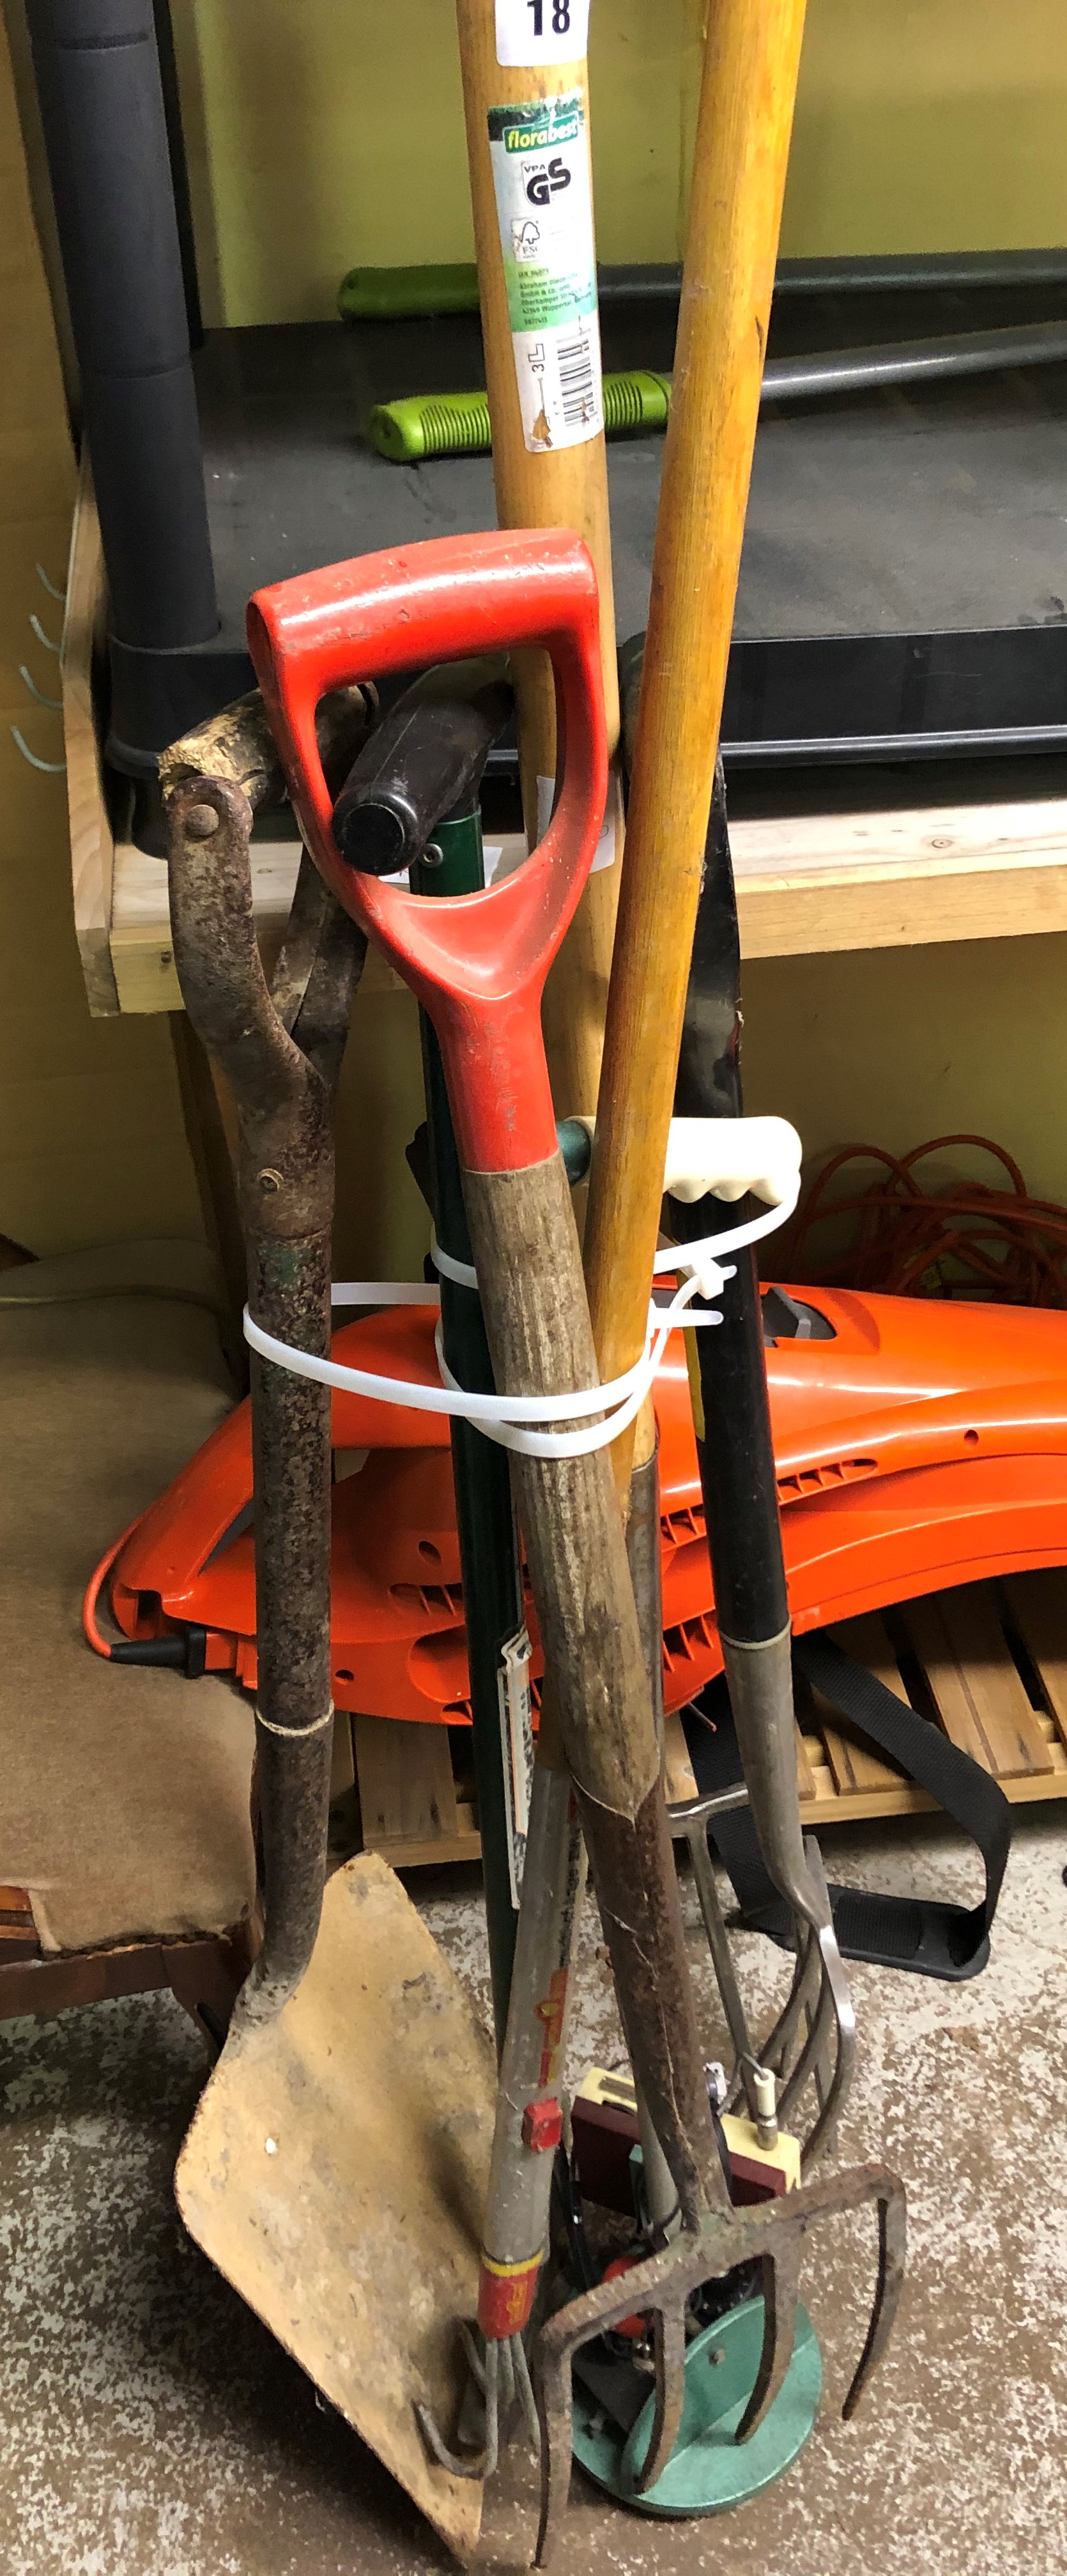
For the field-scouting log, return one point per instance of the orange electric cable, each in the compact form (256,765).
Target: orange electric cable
(964,1240)
(93,1589)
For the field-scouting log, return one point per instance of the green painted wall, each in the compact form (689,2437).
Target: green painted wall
(331,132)
(894,1046)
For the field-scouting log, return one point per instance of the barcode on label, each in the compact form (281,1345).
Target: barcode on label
(576,381)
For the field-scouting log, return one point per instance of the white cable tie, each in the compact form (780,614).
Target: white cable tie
(295,1734)
(384,1292)
(681,1256)
(463,1272)
(413,1393)
(512,1420)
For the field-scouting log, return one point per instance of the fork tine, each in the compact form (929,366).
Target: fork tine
(669,2331)
(552,2393)
(826,2071)
(775,2048)
(524,2388)
(722,1962)
(823,2130)
(892,2247)
(781,2290)
(820,2017)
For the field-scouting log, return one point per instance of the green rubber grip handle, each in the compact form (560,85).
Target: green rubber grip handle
(423,425)
(401,294)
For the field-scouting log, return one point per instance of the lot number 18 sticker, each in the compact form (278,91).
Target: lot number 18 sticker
(541,176)
(541,31)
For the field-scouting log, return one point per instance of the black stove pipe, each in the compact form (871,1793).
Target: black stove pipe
(179,171)
(105,131)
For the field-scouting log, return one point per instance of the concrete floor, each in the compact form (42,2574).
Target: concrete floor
(152,2428)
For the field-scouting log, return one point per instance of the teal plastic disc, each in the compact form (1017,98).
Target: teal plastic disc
(708,2470)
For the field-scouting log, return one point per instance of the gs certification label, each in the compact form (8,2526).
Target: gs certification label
(540,164)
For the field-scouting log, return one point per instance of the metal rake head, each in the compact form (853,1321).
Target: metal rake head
(661,2288)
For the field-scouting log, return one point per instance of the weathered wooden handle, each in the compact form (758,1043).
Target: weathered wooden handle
(751,55)
(526,1254)
(238,745)
(286,1191)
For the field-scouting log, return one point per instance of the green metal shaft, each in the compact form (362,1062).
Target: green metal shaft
(490,1563)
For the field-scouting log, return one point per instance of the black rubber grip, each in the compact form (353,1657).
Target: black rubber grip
(423,764)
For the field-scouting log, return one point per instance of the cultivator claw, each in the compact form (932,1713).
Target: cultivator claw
(500,2374)
(661,2288)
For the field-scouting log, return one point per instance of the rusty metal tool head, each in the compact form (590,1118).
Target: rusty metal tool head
(661,2287)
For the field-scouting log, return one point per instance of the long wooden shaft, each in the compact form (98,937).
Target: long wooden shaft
(751,58)
(529,1271)
(559,487)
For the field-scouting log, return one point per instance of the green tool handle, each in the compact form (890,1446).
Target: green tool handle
(490,1564)
(424,425)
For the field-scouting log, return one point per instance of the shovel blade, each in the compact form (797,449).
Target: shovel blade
(336,2174)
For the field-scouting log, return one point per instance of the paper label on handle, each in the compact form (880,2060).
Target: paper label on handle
(541,31)
(607,848)
(540,161)
(516,1745)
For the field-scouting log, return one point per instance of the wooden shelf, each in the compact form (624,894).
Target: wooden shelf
(810,883)
(92,842)
(805,883)
(959,1657)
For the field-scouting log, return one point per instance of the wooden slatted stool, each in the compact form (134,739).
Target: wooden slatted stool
(985,1662)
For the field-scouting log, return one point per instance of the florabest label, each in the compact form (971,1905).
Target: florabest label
(544,207)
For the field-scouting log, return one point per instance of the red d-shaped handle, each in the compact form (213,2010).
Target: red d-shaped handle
(478,963)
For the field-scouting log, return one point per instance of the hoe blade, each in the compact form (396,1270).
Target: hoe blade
(336,2174)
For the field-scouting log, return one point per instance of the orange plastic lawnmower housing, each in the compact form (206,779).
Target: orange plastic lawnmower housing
(918,1445)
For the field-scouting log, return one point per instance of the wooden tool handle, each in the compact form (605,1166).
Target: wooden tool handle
(526,1254)
(565,488)
(286,1192)
(238,745)
(751,56)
